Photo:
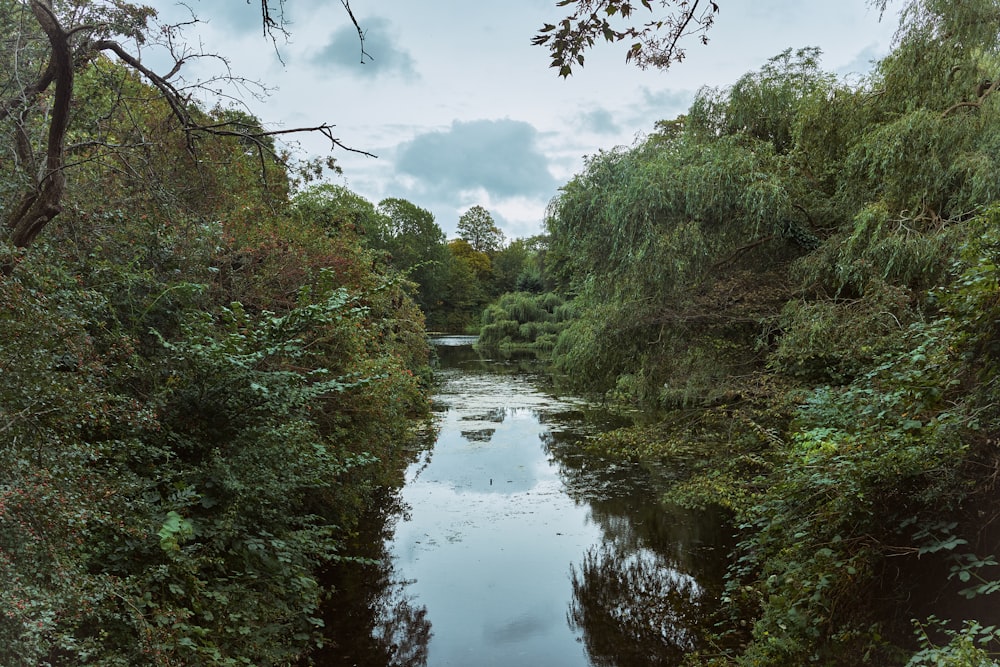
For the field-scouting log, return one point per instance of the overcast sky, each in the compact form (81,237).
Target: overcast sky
(462,110)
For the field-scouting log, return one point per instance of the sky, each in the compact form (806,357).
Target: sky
(462,110)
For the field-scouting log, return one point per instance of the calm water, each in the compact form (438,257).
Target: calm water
(509,547)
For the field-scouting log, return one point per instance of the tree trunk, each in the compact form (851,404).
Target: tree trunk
(44,201)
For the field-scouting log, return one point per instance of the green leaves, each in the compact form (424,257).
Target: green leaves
(172,496)
(477,227)
(970,646)
(824,253)
(174,531)
(658,40)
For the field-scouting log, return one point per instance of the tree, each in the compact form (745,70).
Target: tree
(467,280)
(520,266)
(338,210)
(477,227)
(657,239)
(416,246)
(477,260)
(52,41)
(689,280)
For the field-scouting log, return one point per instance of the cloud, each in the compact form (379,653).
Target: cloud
(499,156)
(667,103)
(343,50)
(599,121)
(232,16)
(863,62)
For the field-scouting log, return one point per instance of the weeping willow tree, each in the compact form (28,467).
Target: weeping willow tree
(909,159)
(788,209)
(681,244)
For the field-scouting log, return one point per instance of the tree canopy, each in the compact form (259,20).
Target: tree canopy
(478,228)
(204,379)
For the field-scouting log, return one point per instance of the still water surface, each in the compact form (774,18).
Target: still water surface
(508,546)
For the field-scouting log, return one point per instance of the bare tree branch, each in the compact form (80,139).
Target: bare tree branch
(361,33)
(29,92)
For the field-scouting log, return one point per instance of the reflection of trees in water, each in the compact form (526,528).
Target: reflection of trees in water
(633,608)
(401,630)
(495,362)
(370,620)
(384,628)
(644,597)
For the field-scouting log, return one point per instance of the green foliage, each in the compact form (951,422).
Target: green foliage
(511,265)
(476,226)
(873,467)
(337,209)
(836,339)
(965,648)
(944,51)
(651,43)
(805,271)
(522,320)
(415,246)
(182,494)
(926,167)
(684,240)
(639,217)
(762,105)
(202,384)
(972,298)
(196,414)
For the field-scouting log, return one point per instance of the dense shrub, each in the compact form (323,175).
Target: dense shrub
(179,465)
(523,320)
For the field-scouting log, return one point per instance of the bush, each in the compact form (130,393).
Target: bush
(520,320)
(169,497)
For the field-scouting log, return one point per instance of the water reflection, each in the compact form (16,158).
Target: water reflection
(635,609)
(371,618)
(642,596)
(515,548)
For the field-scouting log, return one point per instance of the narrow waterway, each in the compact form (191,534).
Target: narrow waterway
(510,547)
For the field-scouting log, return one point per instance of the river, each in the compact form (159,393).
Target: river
(509,546)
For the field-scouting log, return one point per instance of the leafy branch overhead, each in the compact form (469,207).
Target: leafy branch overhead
(655,42)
